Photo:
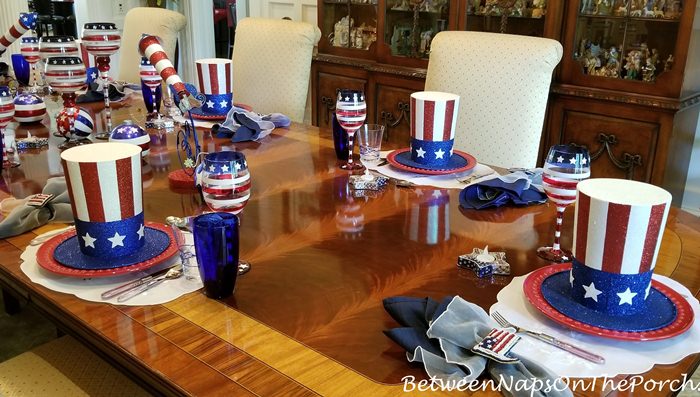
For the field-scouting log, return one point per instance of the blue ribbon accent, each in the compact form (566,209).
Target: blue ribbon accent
(430,150)
(101,232)
(610,285)
(215,101)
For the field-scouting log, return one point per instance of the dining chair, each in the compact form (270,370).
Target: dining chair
(152,20)
(63,367)
(272,65)
(503,82)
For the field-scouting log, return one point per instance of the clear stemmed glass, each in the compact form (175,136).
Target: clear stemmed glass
(66,75)
(225,181)
(565,167)
(29,48)
(351,111)
(102,40)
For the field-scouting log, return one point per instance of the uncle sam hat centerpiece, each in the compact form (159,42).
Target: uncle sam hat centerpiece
(433,127)
(617,234)
(104,185)
(215,79)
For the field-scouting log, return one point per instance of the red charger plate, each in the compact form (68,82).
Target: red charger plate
(533,292)
(471,163)
(44,257)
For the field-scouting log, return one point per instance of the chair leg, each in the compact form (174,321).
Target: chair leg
(11,303)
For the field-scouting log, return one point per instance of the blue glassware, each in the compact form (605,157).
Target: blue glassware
(340,140)
(22,69)
(216,237)
(148,97)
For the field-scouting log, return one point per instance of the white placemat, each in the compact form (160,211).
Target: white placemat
(451,181)
(90,289)
(621,357)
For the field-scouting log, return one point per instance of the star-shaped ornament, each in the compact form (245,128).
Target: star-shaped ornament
(626,297)
(89,240)
(117,240)
(591,291)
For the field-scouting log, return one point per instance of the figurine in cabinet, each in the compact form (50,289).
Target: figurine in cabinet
(648,71)
(539,8)
(425,39)
(633,65)
(673,11)
(341,32)
(668,64)
(621,11)
(602,7)
(401,5)
(586,6)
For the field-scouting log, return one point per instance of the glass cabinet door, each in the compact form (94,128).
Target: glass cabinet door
(632,40)
(523,17)
(349,24)
(410,26)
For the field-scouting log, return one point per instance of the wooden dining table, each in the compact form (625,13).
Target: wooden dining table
(308,318)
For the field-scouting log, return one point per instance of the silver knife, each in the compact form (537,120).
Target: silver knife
(133,284)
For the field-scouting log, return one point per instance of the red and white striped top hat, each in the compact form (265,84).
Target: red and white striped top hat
(215,79)
(104,184)
(433,125)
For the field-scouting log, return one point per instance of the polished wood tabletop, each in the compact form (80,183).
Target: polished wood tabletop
(308,318)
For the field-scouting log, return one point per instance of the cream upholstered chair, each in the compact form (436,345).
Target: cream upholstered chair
(63,367)
(152,20)
(272,65)
(503,83)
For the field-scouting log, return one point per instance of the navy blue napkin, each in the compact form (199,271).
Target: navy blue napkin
(517,188)
(95,94)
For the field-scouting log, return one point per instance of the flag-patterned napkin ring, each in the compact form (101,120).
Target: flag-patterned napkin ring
(497,344)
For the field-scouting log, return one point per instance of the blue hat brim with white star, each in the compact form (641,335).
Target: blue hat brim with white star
(68,253)
(659,310)
(212,108)
(456,161)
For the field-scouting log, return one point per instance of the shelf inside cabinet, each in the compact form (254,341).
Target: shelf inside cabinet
(352,3)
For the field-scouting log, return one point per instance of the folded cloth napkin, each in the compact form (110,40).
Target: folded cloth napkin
(242,125)
(95,93)
(441,336)
(519,188)
(52,205)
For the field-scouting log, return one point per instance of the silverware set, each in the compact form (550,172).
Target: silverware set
(133,288)
(575,350)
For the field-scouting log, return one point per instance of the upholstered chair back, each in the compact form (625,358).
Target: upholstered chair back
(503,81)
(272,65)
(152,20)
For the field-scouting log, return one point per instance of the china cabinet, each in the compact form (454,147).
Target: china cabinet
(629,88)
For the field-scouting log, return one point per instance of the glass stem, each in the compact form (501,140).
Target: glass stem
(557,229)
(153,96)
(351,141)
(105,93)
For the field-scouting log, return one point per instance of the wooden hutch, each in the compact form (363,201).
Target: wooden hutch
(628,86)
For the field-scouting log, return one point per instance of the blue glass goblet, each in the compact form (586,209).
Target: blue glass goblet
(216,237)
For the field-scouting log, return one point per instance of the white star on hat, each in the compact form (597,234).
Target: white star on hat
(89,240)
(592,292)
(571,277)
(439,154)
(212,168)
(572,160)
(584,161)
(223,104)
(420,152)
(93,75)
(117,240)
(140,232)
(237,166)
(210,104)
(626,297)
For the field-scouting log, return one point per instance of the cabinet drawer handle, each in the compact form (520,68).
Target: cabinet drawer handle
(628,162)
(329,104)
(390,121)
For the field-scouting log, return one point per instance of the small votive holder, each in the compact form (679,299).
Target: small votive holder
(369,138)
(216,237)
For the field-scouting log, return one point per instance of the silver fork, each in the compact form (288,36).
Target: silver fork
(575,350)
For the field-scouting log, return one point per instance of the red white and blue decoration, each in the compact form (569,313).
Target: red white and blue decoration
(7,112)
(26,21)
(428,219)
(55,46)
(30,49)
(433,127)
(104,184)
(130,132)
(102,40)
(66,74)
(74,122)
(29,108)
(225,181)
(617,234)
(215,79)
(150,85)
(497,344)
